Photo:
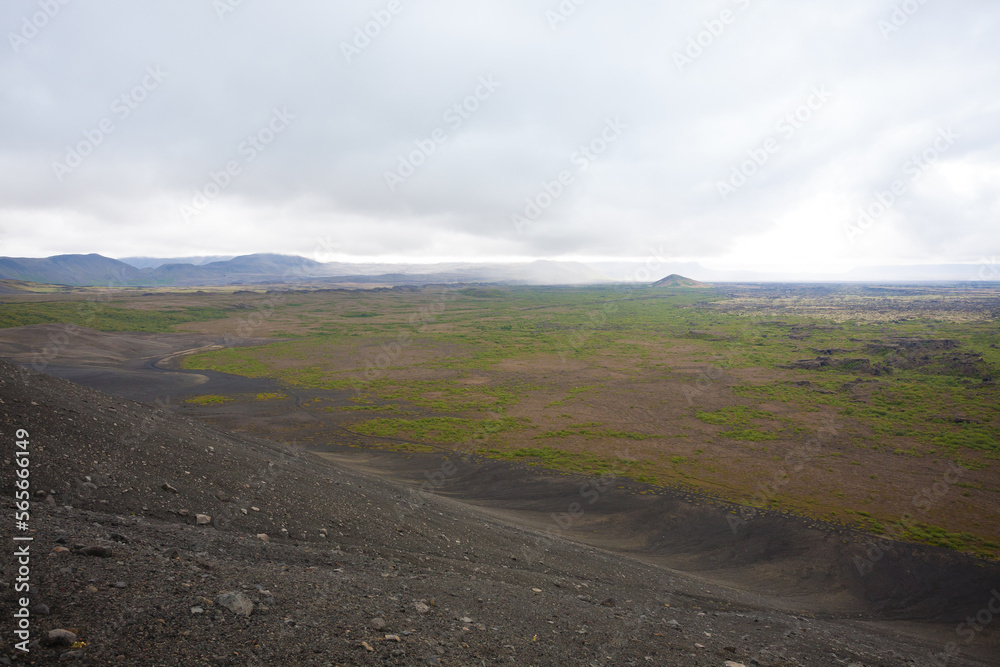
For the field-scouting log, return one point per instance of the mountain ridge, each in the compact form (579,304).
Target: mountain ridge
(79,270)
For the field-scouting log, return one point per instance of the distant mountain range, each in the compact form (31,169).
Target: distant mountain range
(96,270)
(153,262)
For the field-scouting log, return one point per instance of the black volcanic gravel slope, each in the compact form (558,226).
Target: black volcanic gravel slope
(355,570)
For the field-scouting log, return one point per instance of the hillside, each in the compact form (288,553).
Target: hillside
(89,269)
(674,280)
(148,547)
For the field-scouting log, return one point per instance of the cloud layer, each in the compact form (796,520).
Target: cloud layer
(737,132)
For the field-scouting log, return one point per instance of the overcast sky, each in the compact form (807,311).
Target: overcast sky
(740,133)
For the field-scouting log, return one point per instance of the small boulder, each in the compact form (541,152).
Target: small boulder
(263,537)
(202,519)
(378,624)
(167,487)
(60,638)
(98,551)
(237,603)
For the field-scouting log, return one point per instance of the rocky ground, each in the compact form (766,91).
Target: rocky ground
(159,540)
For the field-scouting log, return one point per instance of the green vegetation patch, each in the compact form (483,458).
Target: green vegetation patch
(208,399)
(742,422)
(235,361)
(735,415)
(591,434)
(577,462)
(448,430)
(103,317)
(934,535)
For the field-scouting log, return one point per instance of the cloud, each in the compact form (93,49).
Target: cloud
(407,75)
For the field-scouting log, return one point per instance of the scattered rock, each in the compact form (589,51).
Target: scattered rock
(202,519)
(610,602)
(730,663)
(60,637)
(263,537)
(392,638)
(167,487)
(184,512)
(197,610)
(421,607)
(237,603)
(120,584)
(672,623)
(378,624)
(40,610)
(60,550)
(75,654)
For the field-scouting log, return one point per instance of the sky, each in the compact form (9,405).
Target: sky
(743,134)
